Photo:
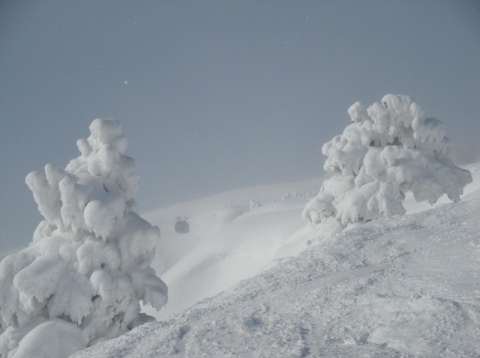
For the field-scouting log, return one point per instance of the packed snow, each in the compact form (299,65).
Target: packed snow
(405,286)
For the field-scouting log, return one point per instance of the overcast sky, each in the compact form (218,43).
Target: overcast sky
(219,95)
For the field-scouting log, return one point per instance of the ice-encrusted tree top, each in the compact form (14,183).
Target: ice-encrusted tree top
(89,263)
(388,150)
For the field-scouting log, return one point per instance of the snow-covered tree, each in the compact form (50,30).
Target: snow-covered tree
(88,267)
(388,150)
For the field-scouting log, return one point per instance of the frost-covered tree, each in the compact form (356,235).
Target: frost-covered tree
(388,150)
(81,279)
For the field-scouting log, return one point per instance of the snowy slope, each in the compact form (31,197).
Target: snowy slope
(399,287)
(233,236)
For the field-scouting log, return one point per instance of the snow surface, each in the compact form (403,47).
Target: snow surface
(407,286)
(233,236)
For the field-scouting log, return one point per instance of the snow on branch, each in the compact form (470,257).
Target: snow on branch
(88,266)
(389,149)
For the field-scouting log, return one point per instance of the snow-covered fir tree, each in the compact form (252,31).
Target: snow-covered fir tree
(388,150)
(81,279)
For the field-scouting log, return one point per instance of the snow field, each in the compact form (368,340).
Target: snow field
(398,284)
(399,287)
(235,242)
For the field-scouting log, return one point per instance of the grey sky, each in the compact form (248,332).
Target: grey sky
(218,95)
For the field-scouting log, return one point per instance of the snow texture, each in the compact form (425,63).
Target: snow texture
(394,287)
(388,150)
(81,279)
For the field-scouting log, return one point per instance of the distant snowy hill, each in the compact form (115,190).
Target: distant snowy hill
(399,287)
(233,236)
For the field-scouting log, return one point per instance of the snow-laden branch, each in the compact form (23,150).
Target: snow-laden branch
(388,150)
(88,266)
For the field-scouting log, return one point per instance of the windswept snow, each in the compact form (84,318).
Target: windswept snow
(395,287)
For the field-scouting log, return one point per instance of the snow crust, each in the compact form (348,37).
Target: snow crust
(394,287)
(390,149)
(81,279)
